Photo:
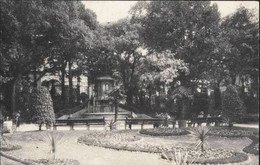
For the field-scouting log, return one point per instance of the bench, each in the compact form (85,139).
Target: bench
(72,122)
(142,121)
(208,120)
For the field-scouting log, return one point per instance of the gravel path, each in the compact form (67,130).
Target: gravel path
(90,155)
(86,155)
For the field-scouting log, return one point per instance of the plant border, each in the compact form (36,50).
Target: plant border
(250,148)
(145,132)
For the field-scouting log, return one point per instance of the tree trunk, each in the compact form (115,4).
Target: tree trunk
(184,108)
(78,89)
(217,97)
(63,95)
(116,110)
(71,97)
(34,78)
(233,79)
(129,97)
(13,96)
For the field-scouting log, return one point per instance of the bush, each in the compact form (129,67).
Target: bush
(200,134)
(164,132)
(41,107)
(232,105)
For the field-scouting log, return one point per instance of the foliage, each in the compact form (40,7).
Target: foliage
(23,99)
(243,34)
(178,158)
(200,103)
(189,30)
(41,106)
(111,124)
(52,139)
(164,132)
(127,52)
(184,96)
(253,148)
(7,145)
(41,37)
(164,66)
(236,158)
(232,105)
(233,132)
(201,135)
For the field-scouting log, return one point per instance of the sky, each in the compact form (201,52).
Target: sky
(111,11)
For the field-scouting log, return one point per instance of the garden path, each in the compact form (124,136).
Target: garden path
(89,155)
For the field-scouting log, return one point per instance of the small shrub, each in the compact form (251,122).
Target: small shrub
(200,134)
(232,105)
(111,124)
(6,145)
(178,158)
(52,140)
(41,107)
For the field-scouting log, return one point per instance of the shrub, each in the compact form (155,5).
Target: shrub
(111,124)
(178,158)
(232,105)
(41,107)
(52,140)
(200,134)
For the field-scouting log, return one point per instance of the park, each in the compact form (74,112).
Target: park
(150,83)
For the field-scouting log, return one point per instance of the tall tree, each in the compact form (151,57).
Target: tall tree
(186,28)
(127,48)
(242,31)
(22,40)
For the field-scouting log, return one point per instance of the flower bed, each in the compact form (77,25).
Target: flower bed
(233,131)
(253,148)
(120,140)
(164,132)
(57,162)
(211,156)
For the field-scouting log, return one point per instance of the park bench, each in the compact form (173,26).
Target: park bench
(208,120)
(73,122)
(142,121)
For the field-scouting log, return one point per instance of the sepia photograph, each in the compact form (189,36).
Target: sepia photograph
(129,82)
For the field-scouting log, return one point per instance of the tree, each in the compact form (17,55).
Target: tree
(232,105)
(41,107)
(160,68)
(71,37)
(127,45)
(22,44)
(242,31)
(117,93)
(188,30)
